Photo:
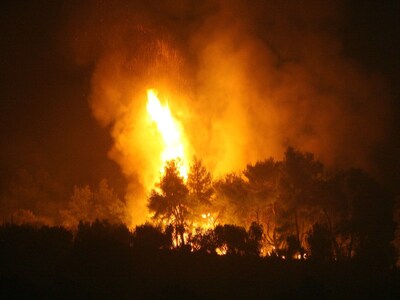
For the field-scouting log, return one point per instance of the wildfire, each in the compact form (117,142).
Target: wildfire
(222,250)
(170,130)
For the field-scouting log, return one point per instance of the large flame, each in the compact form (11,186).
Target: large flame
(170,131)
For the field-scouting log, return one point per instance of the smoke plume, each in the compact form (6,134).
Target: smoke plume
(245,81)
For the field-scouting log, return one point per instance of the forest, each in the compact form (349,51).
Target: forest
(287,229)
(185,149)
(294,208)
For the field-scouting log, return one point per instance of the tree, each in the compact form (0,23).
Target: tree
(99,233)
(204,241)
(293,247)
(334,207)
(357,212)
(149,238)
(233,237)
(199,182)
(262,182)
(255,239)
(298,186)
(263,177)
(320,242)
(201,190)
(232,195)
(370,219)
(87,205)
(169,202)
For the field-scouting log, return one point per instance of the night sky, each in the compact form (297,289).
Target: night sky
(50,137)
(46,122)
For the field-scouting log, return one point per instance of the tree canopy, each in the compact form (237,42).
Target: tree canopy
(293,208)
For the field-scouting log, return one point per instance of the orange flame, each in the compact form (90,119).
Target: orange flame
(171,133)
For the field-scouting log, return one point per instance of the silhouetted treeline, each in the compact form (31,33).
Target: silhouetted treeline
(301,209)
(104,260)
(278,229)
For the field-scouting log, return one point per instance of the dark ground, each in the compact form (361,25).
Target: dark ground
(55,268)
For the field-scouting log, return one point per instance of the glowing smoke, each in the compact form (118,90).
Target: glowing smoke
(244,81)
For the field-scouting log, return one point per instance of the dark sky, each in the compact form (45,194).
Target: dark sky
(372,37)
(46,123)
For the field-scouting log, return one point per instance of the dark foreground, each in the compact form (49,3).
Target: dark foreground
(117,274)
(51,263)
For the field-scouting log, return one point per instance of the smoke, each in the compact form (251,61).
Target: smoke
(244,80)
(31,197)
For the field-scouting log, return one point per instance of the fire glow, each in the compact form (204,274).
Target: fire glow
(171,133)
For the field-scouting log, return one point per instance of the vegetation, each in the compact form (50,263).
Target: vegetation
(295,208)
(288,229)
(101,260)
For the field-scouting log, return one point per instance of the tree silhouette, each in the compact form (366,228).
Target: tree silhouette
(204,241)
(87,205)
(102,232)
(233,199)
(335,210)
(358,214)
(371,218)
(263,178)
(255,239)
(293,247)
(320,242)
(199,182)
(149,238)
(233,237)
(169,202)
(298,186)
(201,191)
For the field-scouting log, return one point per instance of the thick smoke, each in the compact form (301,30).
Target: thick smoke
(244,80)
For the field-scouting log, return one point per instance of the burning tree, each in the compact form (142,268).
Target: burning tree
(233,200)
(281,195)
(296,200)
(201,191)
(169,201)
(200,182)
